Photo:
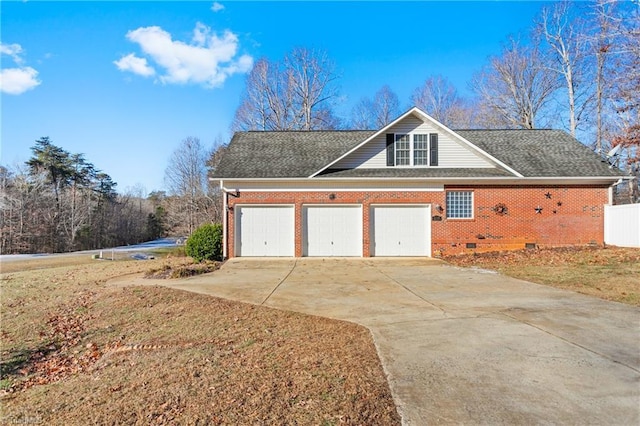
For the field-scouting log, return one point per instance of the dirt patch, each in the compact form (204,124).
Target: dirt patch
(610,273)
(76,349)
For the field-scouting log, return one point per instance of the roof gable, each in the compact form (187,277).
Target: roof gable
(462,153)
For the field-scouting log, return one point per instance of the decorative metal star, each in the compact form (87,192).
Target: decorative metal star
(559,203)
(538,210)
(548,195)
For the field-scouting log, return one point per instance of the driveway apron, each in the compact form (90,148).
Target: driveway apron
(463,346)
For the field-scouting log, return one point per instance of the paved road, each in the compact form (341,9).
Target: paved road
(462,346)
(142,247)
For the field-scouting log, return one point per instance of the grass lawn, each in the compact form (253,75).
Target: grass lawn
(76,351)
(610,273)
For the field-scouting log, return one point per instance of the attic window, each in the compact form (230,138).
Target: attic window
(412,149)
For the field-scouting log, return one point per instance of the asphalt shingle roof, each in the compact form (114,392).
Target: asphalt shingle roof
(540,153)
(299,154)
(285,154)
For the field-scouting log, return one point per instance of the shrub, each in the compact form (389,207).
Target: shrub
(205,243)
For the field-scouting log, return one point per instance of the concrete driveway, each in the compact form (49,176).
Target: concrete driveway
(463,346)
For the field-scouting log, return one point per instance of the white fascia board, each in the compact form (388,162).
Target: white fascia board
(558,181)
(427,117)
(419,184)
(332,185)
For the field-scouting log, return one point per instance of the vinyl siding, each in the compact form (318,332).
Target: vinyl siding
(452,154)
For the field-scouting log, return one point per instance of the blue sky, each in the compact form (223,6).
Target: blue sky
(125,82)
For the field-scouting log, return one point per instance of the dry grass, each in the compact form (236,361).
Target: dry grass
(610,273)
(68,356)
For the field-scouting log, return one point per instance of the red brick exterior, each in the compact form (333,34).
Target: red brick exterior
(568,216)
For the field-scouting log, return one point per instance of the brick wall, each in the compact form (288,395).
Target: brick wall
(566,216)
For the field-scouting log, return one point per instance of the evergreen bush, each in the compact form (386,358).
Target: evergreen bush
(205,243)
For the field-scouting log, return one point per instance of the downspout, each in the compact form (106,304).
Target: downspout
(621,180)
(225,220)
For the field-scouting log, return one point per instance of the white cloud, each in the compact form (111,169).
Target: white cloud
(16,81)
(216,7)
(200,34)
(209,59)
(13,50)
(134,64)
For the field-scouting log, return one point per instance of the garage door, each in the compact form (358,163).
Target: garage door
(332,230)
(264,231)
(401,230)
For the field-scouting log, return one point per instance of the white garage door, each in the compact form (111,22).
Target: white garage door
(265,231)
(332,230)
(401,230)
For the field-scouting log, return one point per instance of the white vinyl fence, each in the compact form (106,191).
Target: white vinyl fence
(622,225)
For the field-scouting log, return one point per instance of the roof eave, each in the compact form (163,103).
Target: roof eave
(484,180)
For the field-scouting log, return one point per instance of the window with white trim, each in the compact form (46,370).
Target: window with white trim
(459,204)
(403,150)
(412,149)
(420,150)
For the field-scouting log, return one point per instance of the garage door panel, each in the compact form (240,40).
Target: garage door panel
(401,230)
(265,231)
(332,231)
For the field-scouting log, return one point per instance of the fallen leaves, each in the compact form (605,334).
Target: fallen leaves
(549,256)
(152,355)
(61,357)
(610,273)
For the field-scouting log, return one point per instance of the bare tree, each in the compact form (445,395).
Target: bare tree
(294,94)
(377,112)
(602,41)
(267,103)
(361,115)
(439,98)
(311,76)
(214,192)
(386,106)
(568,45)
(186,179)
(516,86)
(627,96)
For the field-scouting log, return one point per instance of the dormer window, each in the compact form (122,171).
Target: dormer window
(403,150)
(420,150)
(412,149)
